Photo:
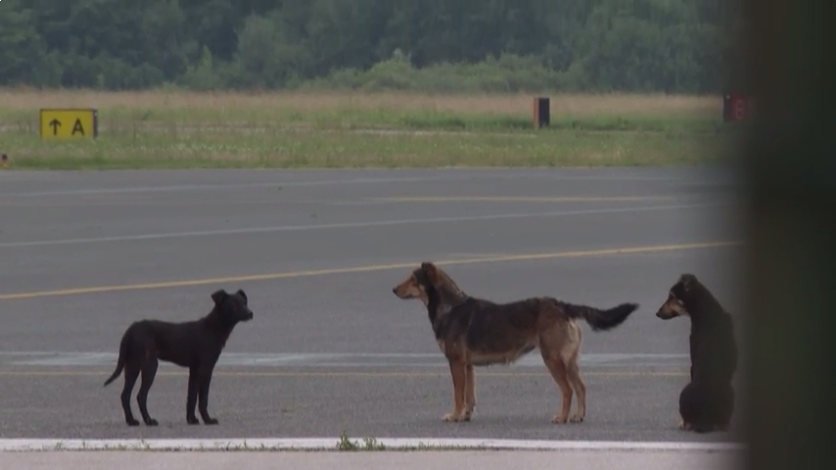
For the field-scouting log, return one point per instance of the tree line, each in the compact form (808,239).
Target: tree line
(673,46)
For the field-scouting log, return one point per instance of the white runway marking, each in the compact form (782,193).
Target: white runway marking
(381,223)
(330,182)
(108,358)
(322,444)
(215,187)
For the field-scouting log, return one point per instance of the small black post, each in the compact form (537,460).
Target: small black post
(541,112)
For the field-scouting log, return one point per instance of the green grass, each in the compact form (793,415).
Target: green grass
(182,130)
(353,149)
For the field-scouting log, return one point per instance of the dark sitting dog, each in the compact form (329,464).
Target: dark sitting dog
(707,403)
(194,344)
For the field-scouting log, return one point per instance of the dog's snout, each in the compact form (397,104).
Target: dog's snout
(394,290)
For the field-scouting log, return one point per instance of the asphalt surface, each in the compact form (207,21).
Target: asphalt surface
(331,349)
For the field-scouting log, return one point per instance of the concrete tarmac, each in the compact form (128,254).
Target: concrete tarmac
(443,460)
(331,349)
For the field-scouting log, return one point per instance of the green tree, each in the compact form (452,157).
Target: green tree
(629,45)
(21,47)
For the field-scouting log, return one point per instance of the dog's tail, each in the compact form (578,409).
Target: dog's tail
(120,363)
(600,320)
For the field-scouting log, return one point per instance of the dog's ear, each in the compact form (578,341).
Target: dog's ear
(431,272)
(242,294)
(218,296)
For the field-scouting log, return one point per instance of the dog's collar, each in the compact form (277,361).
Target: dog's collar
(465,300)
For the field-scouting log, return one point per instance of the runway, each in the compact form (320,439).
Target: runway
(331,349)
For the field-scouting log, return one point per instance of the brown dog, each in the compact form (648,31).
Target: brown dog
(477,332)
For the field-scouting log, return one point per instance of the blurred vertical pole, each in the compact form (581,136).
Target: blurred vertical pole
(789,164)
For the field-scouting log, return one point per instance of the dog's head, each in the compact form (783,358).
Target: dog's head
(418,284)
(674,306)
(232,308)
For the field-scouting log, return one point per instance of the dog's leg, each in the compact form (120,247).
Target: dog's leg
(470,393)
(131,374)
(205,378)
(580,391)
(558,370)
(191,396)
(149,371)
(458,370)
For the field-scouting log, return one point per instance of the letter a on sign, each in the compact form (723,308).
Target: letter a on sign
(77,127)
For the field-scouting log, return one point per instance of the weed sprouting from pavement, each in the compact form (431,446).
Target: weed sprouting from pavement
(369,444)
(345,444)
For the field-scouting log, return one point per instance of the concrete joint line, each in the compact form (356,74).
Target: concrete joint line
(331,444)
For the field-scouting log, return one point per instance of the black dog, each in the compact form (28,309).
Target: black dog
(195,344)
(707,403)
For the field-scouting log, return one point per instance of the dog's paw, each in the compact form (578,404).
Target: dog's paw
(451,417)
(192,420)
(576,419)
(558,419)
(132,422)
(151,422)
(210,421)
(684,426)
